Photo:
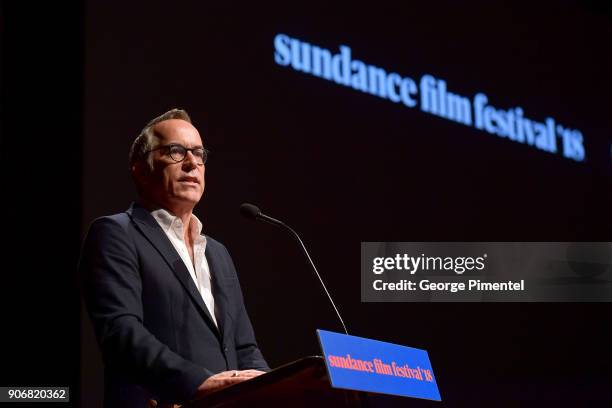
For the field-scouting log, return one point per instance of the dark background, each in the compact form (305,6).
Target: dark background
(79,81)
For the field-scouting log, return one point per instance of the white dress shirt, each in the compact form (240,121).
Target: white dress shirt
(174,229)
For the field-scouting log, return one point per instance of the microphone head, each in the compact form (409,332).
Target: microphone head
(250,211)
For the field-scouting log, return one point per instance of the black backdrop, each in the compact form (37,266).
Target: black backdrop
(340,166)
(42,51)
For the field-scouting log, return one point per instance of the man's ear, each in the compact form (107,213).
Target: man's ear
(141,172)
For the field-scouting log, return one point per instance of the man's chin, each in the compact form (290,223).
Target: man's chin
(190,197)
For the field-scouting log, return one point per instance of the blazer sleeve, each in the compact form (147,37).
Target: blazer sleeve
(248,353)
(112,286)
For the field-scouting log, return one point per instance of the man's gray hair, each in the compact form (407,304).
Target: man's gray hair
(146,139)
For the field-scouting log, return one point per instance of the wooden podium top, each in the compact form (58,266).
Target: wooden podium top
(303,382)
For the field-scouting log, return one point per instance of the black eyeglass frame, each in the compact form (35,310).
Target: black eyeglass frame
(205,152)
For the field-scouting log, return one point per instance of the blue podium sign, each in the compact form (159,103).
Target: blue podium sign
(361,364)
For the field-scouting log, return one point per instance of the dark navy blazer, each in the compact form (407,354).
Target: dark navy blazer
(157,337)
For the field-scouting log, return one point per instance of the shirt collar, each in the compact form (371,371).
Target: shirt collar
(171,223)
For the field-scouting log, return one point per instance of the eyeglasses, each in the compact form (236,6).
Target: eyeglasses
(178,152)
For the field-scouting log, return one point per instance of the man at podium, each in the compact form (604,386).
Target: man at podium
(163,297)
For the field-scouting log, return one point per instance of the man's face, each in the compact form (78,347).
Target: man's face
(176,186)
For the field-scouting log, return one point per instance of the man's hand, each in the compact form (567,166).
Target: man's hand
(215,383)
(225,379)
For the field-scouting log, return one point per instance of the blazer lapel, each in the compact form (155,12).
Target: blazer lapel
(219,293)
(154,233)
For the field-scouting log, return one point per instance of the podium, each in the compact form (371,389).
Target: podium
(358,366)
(302,383)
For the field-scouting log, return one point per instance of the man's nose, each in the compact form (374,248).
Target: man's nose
(190,160)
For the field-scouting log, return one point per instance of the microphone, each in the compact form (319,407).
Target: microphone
(253,212)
